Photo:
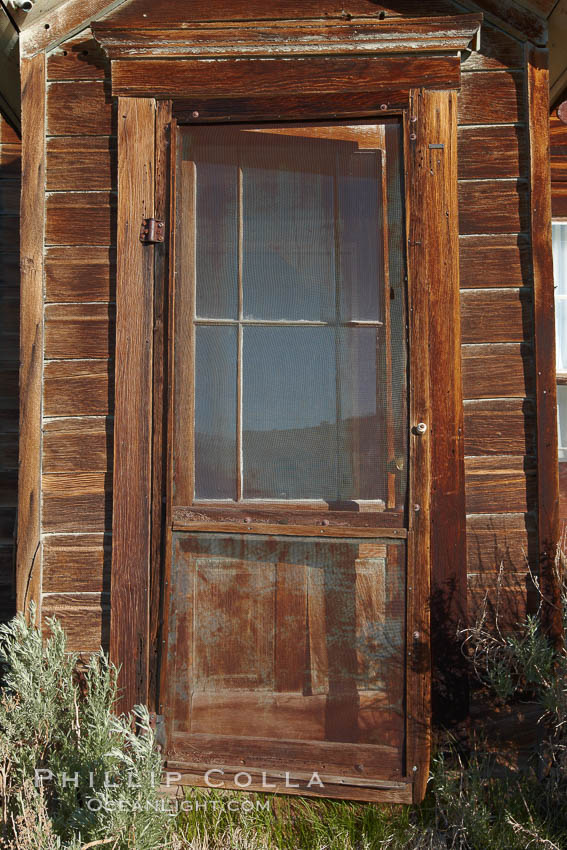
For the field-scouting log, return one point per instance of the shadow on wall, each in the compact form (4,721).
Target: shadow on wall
(10,169)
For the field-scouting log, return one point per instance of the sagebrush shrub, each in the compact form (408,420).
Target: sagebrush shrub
(100,772)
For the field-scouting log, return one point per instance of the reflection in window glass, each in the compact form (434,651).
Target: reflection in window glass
(296,247)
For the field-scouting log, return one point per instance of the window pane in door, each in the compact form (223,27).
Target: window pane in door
(215,221)
(312,427)
(215,413)
(288,229)
(359,213)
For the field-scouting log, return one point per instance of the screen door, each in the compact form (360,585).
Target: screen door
(287,603)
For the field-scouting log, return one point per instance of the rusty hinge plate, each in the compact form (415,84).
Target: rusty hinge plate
(152,230)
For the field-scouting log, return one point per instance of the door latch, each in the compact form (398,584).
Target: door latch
(152,231)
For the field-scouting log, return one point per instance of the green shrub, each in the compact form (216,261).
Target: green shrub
(101,772)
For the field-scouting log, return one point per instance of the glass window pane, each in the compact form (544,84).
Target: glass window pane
(360,228)
(559,236)
(288,229)
(314,427)
(216,222)
(561,331)
(562,421)
(289,413)
(215,413)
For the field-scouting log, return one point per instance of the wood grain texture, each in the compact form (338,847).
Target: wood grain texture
(312,75)
(76,274)
(448,542)
(503,600)
(487,206)
(78,388)
(10,160)
(28,576)
(77,563)
(498,51)
(486,152)
(559,200)
(506,370)
(491,97)
(496,315)
(78,58)
(514,17)
(544,338)
(80,109)
(497,541)
(77,444)
(81,163)
(164,168)
(80,218)
(131,524)
(422,189)
(84,617)
(74,331)
(495,260)
(351,36)
(500,426)
(162,13)
(500,484)
(68,16)
(76,502)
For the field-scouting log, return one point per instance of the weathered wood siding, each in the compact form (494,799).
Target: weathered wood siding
(10,172)
(497,324)
(80,262)
(496,304)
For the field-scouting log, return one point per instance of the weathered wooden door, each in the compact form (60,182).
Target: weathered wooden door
(289,588)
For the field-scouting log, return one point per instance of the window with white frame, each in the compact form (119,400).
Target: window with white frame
(559,230)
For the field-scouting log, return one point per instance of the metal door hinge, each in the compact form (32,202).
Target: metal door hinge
(152,230)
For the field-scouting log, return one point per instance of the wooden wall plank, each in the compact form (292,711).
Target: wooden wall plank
(10,160)
(492,97)
(495,540)
(164,14)
(544,338)
(559,200)
(77,444)
(498,51)
(486,152)
(78,388)
(28,577)
(80,109)
(312,75)
(80,163)
(84,617)
(77,563)
(80,218)
(495,260)
(501,601)
(74,331)
(496,315)
(505,369)
(76,502)
(500,484)
(78,58)
(74,274)
(499,426)
(131,524)
(493,206)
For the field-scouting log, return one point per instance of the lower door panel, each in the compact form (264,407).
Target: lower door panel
(286,658)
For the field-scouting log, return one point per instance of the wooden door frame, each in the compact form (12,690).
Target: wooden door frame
(368,83)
